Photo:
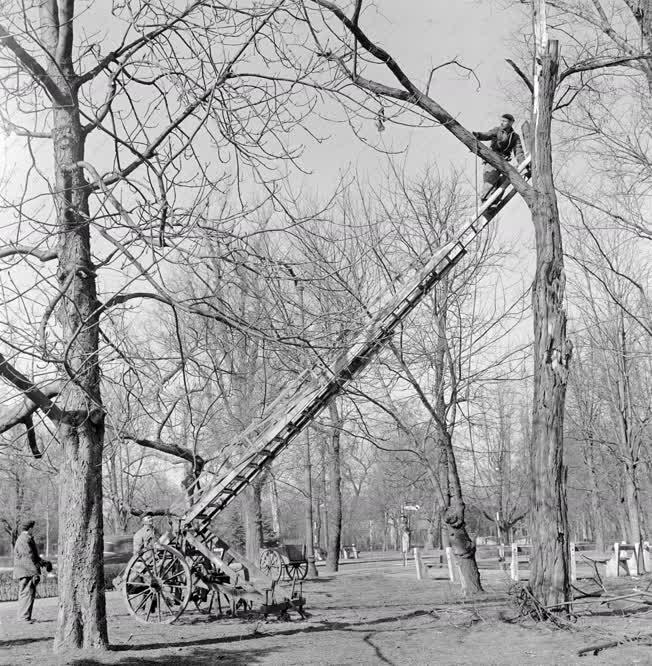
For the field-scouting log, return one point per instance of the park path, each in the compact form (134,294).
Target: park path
(372,612)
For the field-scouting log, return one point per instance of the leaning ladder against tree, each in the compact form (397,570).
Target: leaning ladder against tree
(312,390)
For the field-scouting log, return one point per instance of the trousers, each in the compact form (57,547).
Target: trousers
(491,178)
(26,596)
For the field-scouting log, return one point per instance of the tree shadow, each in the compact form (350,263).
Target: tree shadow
(323,627)
(199,656)
(18,642)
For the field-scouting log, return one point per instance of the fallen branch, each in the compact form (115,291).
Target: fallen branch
(594,649)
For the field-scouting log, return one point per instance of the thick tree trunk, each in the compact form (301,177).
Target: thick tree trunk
(81,621)
(82,617)
(549,568)
(454,518)
(335,498)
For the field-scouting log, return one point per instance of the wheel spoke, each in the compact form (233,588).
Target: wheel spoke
(140,605)
(166,603)
(149,612)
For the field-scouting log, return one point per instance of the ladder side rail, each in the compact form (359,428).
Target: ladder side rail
(307,406)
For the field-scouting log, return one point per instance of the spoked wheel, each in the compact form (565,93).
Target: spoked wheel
(157,585)
(271,564)
(297,570)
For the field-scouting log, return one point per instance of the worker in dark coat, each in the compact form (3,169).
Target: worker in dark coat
(146,536)
(27,570)
(506,142)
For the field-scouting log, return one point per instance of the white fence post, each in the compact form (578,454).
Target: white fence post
(573,562)
(418,563)
(513,567)
(451,564)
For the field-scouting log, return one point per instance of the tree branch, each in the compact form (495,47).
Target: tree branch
(524,77)
(23,410)
(171,449)
(30,391)
(416,97)
(43,255)
(599,63)
(33,67)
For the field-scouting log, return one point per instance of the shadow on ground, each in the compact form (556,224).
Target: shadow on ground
(201,656)
(206,650)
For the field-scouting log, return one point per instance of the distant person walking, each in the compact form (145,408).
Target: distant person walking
(27,570)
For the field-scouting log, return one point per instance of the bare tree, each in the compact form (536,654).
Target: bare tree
(132,189)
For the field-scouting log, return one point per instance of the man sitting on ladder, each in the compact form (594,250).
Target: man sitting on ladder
(505,141)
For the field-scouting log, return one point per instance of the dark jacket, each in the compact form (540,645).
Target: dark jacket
(27,563)
(504,142)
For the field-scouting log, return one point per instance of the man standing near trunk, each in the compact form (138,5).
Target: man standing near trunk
(506,142)
(27,570)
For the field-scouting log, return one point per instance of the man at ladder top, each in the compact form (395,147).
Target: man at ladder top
(506,142)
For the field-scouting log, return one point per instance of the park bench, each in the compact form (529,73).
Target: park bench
(623,557)
(349,552)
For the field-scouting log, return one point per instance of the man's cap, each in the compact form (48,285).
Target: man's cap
(27,524)
(509,117)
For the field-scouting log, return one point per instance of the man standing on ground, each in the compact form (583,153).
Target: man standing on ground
(504,141)
(27,570)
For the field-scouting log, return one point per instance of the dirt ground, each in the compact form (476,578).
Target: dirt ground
(372,612)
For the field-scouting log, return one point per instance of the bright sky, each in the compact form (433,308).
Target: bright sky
(478,34)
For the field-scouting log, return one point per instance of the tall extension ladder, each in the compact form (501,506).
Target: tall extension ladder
(311,391)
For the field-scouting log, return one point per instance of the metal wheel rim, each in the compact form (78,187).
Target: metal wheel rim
(271,564)
(157,585)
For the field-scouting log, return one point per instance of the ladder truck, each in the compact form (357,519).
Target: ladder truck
(195,565)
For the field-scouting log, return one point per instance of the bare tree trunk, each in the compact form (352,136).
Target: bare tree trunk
(454,518)
(549,573)
(325,494)
(596,515)
(335,511)
(253,515)
(81,621)
(276,513)
(309,534)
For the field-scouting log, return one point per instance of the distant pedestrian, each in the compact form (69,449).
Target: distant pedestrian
(27,570)
(146,536)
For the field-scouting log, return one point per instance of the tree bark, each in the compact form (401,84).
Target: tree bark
(81,621)
(275,509)
(335,499)
(549,568)
(309,533)
(253,520)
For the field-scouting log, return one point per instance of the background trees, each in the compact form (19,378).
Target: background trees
(154,241)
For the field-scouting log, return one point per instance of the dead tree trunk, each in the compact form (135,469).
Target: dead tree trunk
(549,575)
